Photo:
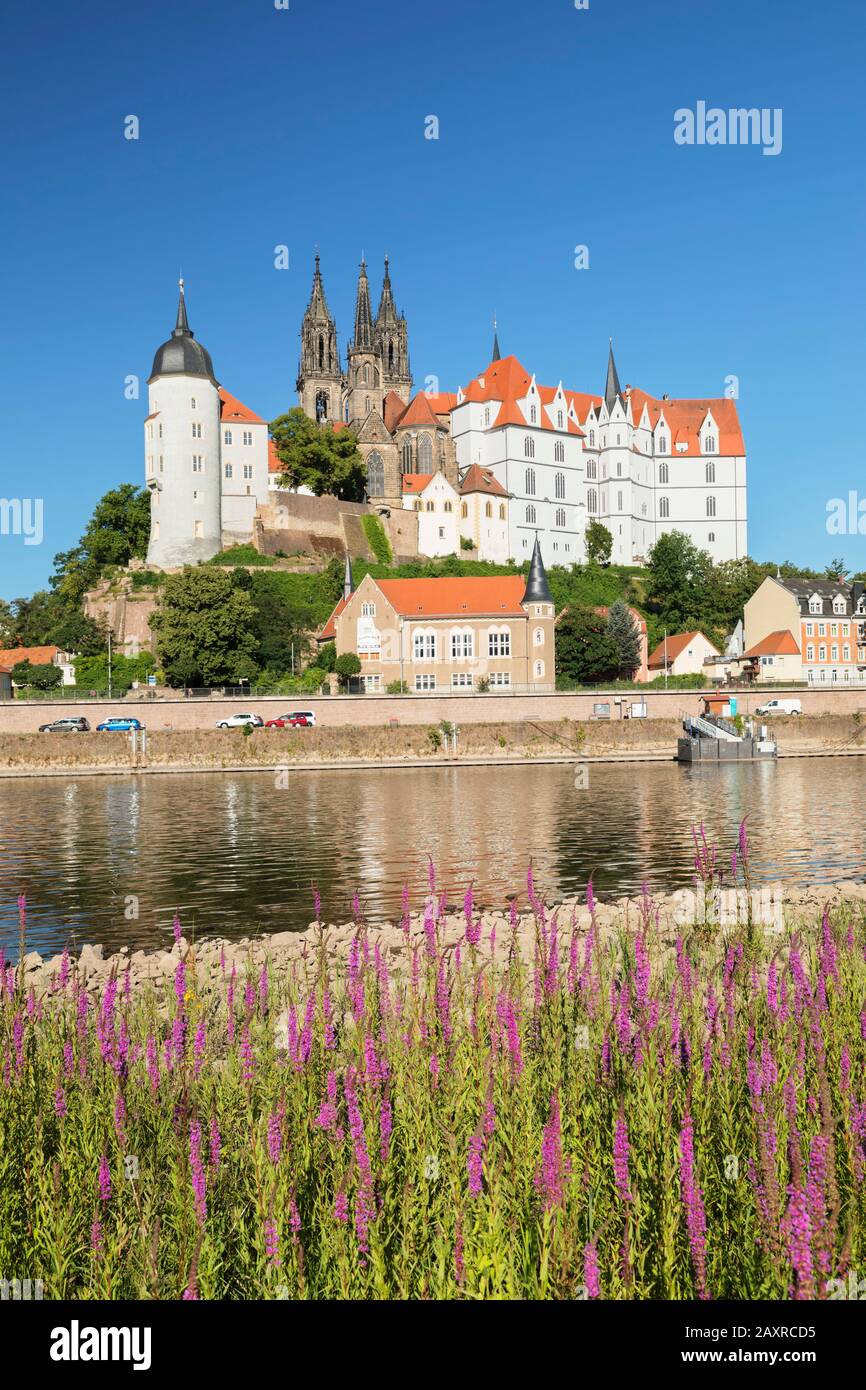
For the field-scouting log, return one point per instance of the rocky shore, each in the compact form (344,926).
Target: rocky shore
(778,909)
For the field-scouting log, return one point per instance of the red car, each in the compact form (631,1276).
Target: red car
(289,721)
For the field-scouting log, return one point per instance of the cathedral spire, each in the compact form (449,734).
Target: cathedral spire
(387,308)
(348,581)
(496,353)
(363,316)
(318,305)
(611,390)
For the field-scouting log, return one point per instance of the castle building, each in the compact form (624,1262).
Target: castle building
(206,455)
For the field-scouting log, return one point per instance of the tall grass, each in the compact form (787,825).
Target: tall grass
(606,1120)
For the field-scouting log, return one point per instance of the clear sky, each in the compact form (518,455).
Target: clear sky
(261,127)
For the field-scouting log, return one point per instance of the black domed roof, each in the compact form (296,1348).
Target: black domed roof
(181,355)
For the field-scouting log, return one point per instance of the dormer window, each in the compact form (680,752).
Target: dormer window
(839,605)
(592,439)
(815,605)
(533,415)
(663,444)
(559,419)
(710,444)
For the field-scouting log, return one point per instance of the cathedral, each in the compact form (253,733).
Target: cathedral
(398,433)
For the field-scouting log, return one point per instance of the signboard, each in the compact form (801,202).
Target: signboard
(151,680)
(368,639)
(638,710)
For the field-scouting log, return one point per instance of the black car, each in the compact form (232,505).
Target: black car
(71,725)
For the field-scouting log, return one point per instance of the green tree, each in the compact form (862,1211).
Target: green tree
(621,628)
(346,666)
(206,628)
(586,654)
(318,457)
(599,543)
(8,626)
(327,658)
(41,677)
(679,582)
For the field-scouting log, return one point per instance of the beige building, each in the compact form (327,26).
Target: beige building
(449,634)
(681,654)
(818,624)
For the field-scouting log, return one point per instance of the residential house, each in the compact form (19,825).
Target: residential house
(682,654)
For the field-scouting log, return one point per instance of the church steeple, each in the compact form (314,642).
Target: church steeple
(391,340)
(537,588)
(348,581)
(387,308)
(363,340)
(611,390)
(319,382)
(496,353)
(181,328)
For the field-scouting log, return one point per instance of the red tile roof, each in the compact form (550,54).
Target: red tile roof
(419,412)
(449,596)
(393,406)
(37,656)
(415,482)
(478,479)
(781,643)
(275,464)
(329,631)
(676,642)
(233,411)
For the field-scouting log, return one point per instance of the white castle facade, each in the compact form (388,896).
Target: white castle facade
(530,459)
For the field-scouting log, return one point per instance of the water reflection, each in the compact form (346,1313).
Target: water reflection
(237,854)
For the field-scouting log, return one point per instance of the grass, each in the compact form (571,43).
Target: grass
(610,1120)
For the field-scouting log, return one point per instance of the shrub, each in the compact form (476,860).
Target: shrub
(435,738)
(376,539)
(397,688)
(466,543)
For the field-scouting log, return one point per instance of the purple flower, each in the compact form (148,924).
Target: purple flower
(197,1172)
(341,1207)
(275,1135)
(590,1269)
(475,1164)
(272,1243)
(104,1179)
(693,1201)
(620,1158)
(550,1178)
(60,1103)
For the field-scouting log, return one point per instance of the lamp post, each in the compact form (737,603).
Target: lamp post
(666,658)
(109,664)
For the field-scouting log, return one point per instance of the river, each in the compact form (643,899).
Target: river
(108,859)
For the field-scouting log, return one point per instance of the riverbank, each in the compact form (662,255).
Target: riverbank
(776,909)
(396,745)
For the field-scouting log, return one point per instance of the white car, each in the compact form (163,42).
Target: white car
(240,721)
(781,707)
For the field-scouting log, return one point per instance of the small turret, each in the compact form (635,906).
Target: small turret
(537,588)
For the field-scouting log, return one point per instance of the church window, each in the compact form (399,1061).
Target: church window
(431,506)
(560,516)
(711,506)
(196,431)
(663,444)
(530,482)
(591,468)
(711,444)
(488,509)
(592,439)
(198,463)
(407,456)
(711,536)
(323,404)
(425,454)
(529,447)
(533,414)
(375,376)
(711,472)
(366,405)
(390,356)
(559,485)
(464,510)
(448,507)
(664,507)
(375,475)
(418,507)
(539,668)
(486,415)
(559,419)
(501,511)
(228,470)
(530,515)
(559,451)
(592,500)
(663,473)
(321,352)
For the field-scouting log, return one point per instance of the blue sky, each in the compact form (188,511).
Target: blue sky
(261,127)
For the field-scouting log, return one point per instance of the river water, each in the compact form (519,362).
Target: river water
(108,859)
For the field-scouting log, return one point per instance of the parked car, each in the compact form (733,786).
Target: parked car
(239,721)
(67,725)
(119,724)
(780,707)
(290,721)
(305,714)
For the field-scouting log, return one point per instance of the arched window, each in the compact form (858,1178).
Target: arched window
(501,511)
(448,507)
(663,444)
(538,637)
(559,485)
(663,473)
(323,402)
(488,509)
(592,468)
(390,356)
(711,506)
(592,439)
(529,447)
(418,505)
(425,454)
(530,515)
(407,456)
(321,352)
(464,510)
(711,472)
(366,374)
(559,419)
(592,500)
(530,482)
(560,516)
(664,507)
(533,415)
(486,415)
(431,506)
(711,444)
(375,475)
(366,405)
(559,451)
(539,668)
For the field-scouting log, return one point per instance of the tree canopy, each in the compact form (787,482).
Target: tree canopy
(205,628)
(318,457)
(599,543)
(586,653)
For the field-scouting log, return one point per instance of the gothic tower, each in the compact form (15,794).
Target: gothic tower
(392,342)
(364,389)
(320,380)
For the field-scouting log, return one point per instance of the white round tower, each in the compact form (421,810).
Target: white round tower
(182,451)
